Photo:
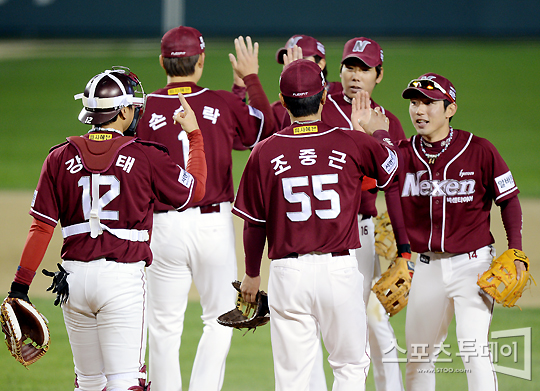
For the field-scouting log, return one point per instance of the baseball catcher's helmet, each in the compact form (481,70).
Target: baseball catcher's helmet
(107,93)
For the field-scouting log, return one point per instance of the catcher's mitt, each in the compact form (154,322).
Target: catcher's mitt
(247,315)
(385,242)
(393,287)
(500,281)
(21,323)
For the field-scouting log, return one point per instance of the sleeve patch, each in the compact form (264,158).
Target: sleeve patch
(185,178)
(34,199)
(505,182)
(390,164)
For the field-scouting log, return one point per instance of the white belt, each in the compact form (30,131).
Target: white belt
(133,235)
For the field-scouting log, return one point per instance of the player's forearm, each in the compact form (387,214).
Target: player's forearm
(395,213)
(259,100)
(38,239)
(196,164)
(254,241)
(512,219)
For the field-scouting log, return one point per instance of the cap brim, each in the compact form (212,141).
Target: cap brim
(412,92)
(369,64)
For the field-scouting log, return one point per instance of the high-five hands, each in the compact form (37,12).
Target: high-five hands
(363,118)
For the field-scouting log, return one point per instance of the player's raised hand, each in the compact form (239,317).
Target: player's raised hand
(185,116)
(293,54)
(246,61)
(363,118)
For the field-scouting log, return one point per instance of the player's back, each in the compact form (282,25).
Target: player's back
(128,176)
(309,179)
(221,116)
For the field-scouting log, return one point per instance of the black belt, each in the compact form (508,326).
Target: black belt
(214,208)
(334,254)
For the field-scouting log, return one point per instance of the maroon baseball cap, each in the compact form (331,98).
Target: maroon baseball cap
(431,85)
(310,47)
(364,49)
(301,79)
(182,41)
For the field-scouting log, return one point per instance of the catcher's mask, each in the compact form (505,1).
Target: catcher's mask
(107,93)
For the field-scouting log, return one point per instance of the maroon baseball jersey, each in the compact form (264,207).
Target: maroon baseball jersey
(337,111)
(447,204)
(303,184)
(221,115)
(136,175)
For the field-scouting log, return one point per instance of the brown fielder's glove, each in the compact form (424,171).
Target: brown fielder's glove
(385,242)
(247,315)
(27,334)
(503,271)
(393,287)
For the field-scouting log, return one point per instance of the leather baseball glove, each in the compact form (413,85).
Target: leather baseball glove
(393,287)
(500,281)
(247,315)
(385,242)
(27,334)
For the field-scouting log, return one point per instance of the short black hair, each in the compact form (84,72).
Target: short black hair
(302,107)
(353,61)
(180,66)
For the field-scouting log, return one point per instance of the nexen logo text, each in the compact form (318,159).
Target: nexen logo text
(413,186)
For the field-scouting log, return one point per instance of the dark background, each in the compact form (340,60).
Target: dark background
(143,18)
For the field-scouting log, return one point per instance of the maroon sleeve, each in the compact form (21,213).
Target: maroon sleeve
(254,241)
(239,91)
(393,206)
(259,100)
(513,222)
(196,164)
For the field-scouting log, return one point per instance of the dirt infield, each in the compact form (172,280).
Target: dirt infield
(16,221)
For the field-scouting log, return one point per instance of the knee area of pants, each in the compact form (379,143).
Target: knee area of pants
(90,383)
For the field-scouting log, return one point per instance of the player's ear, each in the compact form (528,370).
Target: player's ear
(380,77)
(322,63)
(161,61)
(323,97)
(451,110)
(282,101)
(200,61)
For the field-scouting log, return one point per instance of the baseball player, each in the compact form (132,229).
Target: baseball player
(300,189)
(361,70)
(198,244)
(101,187)
(449,181)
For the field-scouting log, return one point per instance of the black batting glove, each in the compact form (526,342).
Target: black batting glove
(59,284)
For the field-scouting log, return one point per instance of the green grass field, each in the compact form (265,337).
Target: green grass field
(249,364)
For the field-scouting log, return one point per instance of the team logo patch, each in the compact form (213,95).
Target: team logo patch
(185,178)
(391,162)
(306,129)
(183,90)
(100,136)
(505,182)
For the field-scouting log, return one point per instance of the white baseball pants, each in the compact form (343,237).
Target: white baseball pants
(441,288)
(316,295)
(190,246)
(105,323)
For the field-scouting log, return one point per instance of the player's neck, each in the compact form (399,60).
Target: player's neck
(183,79)
(308,118)
(437,135)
